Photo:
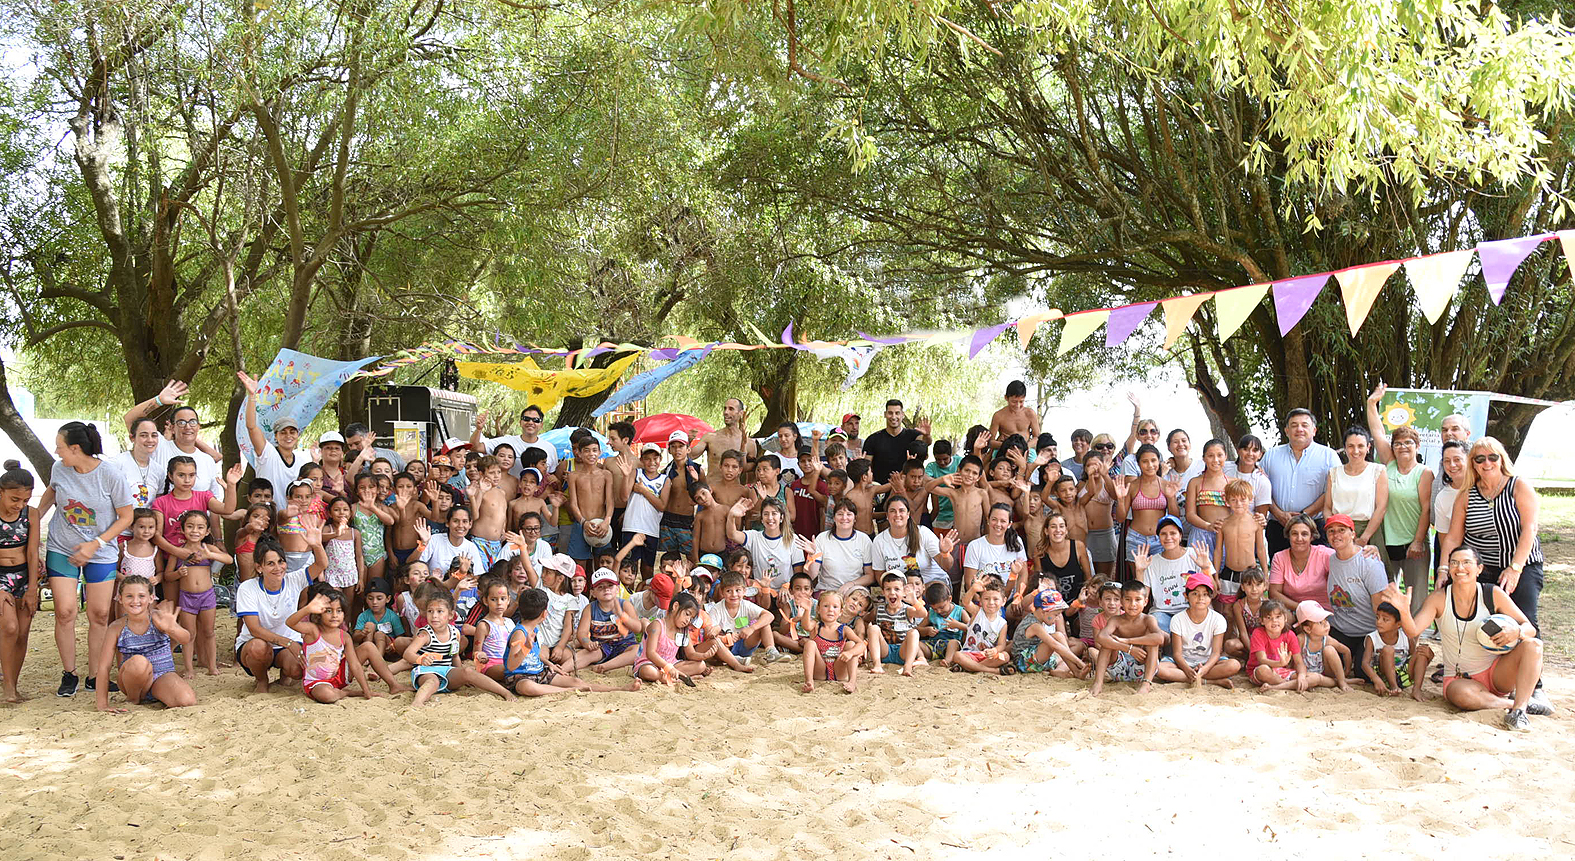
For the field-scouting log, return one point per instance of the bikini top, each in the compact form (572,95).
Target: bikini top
(1148,503)
(13,533)
(1211,497)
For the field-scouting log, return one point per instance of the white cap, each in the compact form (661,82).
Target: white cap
(603,575)
(650,446)
(331,436)
(678,436)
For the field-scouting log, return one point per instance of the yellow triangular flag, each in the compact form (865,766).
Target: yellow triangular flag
(1567,241)
(1435,278)
(1232,307)
(1027,326)
(1360,288)
(1178,313)
(1079,326)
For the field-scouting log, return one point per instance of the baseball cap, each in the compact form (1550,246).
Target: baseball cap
(1172,520)
(603,575)
(533,471)
(662,588)
(650,446)
(440,460)
(1310,611)
(1339,520)
(1049,599)
(678,436)
(331,436)
(847,416)
(712,561)
(837,433)
(283,422)
(379,585)
(454,442)
(1198,578)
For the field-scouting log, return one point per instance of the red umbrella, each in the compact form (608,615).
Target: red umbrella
(659,427)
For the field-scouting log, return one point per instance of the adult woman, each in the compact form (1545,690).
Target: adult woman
(1148,499)
(1476,678)
(141,465)
(1496,515)
(1406,518)
(264,604)
(95,506)
(1357,585)
(843,555)
(1063,558)
(1205,498)
(1301,573)
(998,552)
(1454,474)
(1097,494)
(1180,467)
(1358,489)
(774,551)
(907,545)
(1249,452)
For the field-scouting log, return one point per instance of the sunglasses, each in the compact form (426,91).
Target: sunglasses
(1104,447)
(1484,458)
(536,420)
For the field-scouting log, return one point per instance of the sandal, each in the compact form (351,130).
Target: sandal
(957,668)
(1008,670)
(686,680)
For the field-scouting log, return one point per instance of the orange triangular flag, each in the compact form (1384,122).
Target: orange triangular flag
(1027,326)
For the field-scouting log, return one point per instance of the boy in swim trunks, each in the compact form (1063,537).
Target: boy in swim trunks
(1241,542)
(525,671)
(1129,643)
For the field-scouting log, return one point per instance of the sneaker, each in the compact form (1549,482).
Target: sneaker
(772,655)
(1516,719)
(1538,704)
(68,685)
(92,685)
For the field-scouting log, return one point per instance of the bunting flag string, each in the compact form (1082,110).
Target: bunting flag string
(1434,279)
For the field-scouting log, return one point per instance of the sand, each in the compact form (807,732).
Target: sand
(942,766)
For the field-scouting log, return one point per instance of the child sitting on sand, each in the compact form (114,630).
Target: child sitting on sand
(380,625)
(742,624)
(324,644)
(1389,660)
(944,624)
(1129,643)
(1197,641)
(984,643)
(607,628)
(658,661)
(1276,661)
(1320,658)
(141,646)
(897,620)
(832,653)
(793,602)
(525,671)
(1040,644)
(434,652)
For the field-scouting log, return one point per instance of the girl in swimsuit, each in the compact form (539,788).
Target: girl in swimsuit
(1148,499)
(141,641)
(836,646)
(189,583)
(1206,508)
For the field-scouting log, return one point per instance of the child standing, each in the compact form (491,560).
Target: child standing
(257,522)
(1276,662)
(342,543)
(179,498)
(371,519)
(1197,641)
(378,624)
(1388,659)
(1129,644)
(137,555)
(836,646)
(194,573)
(1320,659)
(324,643)
(434,654)
(20,569)
(1241,543)
(984,643)
(142,648)
(525,671)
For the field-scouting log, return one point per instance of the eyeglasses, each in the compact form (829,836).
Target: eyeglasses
(530,529)
(187,423)
(1484,458)
(536,420)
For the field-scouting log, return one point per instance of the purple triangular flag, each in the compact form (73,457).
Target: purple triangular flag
(1124,321)
(665,354)
(896,339)
(1294,296)
(1501,258)
(983,337)
(787,336)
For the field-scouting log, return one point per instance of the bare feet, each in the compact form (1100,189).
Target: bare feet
(261,687)
(849,686)
(1145,687)
(879,670)
(188,675)
(907,669)
(599,670)
(746,668)
(632,686)
(395,690)
(807,687)
(1225,683)
(213,671)
(14,697)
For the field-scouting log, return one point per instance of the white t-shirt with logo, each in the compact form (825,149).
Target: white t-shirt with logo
(272,609)
(842,560)
(1197,638)
(892,553)
(986,558)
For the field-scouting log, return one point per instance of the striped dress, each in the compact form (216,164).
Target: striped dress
(1493,526)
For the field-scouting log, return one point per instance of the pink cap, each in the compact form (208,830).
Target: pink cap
(1311,611)
(1198,578)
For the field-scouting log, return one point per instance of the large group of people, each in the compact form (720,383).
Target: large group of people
(496,564)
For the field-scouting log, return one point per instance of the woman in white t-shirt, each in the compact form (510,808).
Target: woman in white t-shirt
(264,603)
(906,544)
(774,551)
(141,465)
(843,555)
(999,551)
(1360,488)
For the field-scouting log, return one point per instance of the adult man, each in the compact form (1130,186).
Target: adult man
(1298,473)
(529,437)
(278,462)
(1081,439)
(853,443)
(891,447)
(729,437)
(358,436)
(185,442)
(1014,418)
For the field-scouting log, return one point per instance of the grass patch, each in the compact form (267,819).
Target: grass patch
(1556,529)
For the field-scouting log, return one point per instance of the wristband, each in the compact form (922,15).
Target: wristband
(158,400)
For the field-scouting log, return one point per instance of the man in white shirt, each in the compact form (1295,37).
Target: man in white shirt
(531,419)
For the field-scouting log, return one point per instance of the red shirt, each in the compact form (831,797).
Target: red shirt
(806,510)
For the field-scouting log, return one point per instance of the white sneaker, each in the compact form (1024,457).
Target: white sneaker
(772,655)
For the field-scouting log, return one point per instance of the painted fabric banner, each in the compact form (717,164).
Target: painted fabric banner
(297,385)
(640,386)
(547,388)
(1426,409)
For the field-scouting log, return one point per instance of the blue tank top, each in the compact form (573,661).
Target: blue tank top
(152,644)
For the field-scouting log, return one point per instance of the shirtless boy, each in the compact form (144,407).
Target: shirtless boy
(1129,644)
(863,490)
(1241,542)
(1014,418)
(969,500)
(590,501)
(492,508)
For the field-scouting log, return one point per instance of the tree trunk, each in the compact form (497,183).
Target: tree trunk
(20,433)
(576,412)
(780,395)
